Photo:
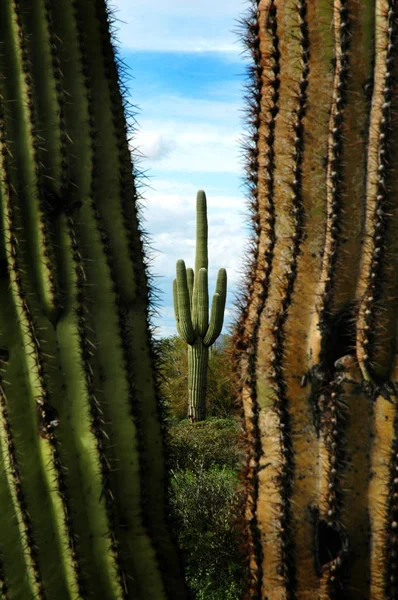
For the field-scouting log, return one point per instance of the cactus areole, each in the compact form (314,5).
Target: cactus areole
(191,308)
(316,344)
(82,478)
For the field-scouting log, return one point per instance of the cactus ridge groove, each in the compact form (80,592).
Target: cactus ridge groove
(42,246)
(332,425)
(97,421)
(334,166)
(33,350)
(378,170)
(391,549)
(82,479)
(257,297)
(151,505)
(277,358)
(16,486)
(316,341)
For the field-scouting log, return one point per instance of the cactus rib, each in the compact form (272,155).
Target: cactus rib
(83,490)
(315,346)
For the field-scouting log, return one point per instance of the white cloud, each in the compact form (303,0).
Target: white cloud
(154,146)
(179,25)
(193,135)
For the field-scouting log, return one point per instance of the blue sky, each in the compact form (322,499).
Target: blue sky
(186,77)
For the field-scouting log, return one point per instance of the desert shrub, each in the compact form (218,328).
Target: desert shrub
(196,446)
(204,504)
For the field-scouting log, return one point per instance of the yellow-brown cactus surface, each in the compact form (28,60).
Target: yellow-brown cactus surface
(316,343)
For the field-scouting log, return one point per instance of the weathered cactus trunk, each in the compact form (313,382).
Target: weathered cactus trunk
(82,479)
(316,343)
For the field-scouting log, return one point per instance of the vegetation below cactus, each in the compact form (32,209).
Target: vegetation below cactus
(205,458)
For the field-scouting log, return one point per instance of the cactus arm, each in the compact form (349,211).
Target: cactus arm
(175,304)
(216,321)
(203,303)
(184,308)
(190,281)
(217,309)
(221,286)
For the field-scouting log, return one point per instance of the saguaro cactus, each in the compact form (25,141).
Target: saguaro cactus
(191,307)
(82,481)
(316,343)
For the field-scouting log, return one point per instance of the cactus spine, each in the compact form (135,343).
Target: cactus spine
(82,476)
(191,308)
(316,342)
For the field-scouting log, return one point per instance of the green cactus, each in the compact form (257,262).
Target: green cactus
(316,343)
(82,476)
(191,308)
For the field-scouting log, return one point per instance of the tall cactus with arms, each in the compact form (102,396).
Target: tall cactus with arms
(316,345)
(191,307)
(82,480)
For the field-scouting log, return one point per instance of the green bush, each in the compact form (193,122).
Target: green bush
(205,505)
(205,458)
(198,446)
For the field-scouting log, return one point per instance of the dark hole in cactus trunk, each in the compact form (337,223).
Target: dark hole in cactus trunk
(329,542)
(340,339)
(4,355)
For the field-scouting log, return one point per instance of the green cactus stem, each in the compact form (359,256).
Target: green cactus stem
(191,308)
(82,477)
(316,343)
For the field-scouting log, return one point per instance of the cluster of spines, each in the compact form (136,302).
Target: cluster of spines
(44,226)
(391,550)
(257,297)
(12,457)
(128,191)
(380,216)
(277,332)
(332,419)
(334,163)
(59,90)
(128,194)
(81,310)
(49,416)
(17,485)
(139,247)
